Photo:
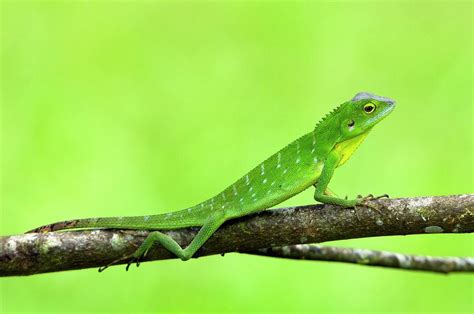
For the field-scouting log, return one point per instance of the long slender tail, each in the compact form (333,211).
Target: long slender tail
(67,224)
(162,221)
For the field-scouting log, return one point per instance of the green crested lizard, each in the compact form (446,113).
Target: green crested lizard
(309,160)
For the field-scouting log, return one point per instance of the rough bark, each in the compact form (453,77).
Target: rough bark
(35,253)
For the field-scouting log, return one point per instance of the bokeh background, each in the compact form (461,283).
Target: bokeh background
(134,108)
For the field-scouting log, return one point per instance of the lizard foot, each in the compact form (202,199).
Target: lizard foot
(132,258)
(117,261)
(365,201)
(372,197)
(136,258)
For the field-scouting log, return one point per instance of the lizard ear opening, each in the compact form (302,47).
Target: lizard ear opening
(351,125)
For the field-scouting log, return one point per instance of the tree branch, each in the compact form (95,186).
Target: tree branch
(371,258)
(35,253)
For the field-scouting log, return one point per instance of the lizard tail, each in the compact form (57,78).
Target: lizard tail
(67,224)
(153,222)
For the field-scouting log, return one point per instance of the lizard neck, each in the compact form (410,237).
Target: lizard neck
(346,148)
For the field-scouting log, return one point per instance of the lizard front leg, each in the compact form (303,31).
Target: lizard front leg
(321,185)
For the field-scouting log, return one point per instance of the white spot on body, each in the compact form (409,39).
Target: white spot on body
(247,179)
(223,196)
(285,171)
(262,169)
(223,206)
(315,160)
(279,160)
(298,160)
(314,139)
(251,189)
(146,218)
(298,146)
(264,181)
(313,150)
(253,195)
(234,189)
(241,200)
(273,183)
(379,222)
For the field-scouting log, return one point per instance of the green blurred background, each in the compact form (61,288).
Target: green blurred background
(134,108)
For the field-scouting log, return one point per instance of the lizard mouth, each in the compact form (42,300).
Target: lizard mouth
(390,101)
(390,107)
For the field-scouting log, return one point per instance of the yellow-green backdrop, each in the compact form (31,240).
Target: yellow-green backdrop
(140,107)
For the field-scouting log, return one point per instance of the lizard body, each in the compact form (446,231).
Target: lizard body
(309,160)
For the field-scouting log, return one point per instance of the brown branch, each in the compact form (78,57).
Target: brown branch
(35,253)
(371,258)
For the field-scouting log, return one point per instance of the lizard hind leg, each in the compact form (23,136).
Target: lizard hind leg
(206,231)
(329,192)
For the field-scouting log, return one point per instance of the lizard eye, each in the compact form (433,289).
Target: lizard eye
(369,107)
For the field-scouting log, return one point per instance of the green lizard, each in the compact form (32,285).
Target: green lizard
(309,160)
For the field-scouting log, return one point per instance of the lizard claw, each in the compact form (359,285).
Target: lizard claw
(135,258)
(102,268)
(132,260)
(372,197)
(365,201)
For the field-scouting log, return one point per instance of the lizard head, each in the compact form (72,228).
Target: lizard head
(362,112)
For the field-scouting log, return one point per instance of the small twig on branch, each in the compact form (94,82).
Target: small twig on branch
(371,258)
(35,253)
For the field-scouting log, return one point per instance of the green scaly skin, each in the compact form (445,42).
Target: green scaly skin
(309,160)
